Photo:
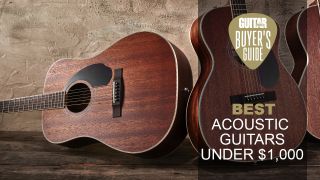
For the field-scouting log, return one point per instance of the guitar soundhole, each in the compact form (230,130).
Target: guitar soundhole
(78,98)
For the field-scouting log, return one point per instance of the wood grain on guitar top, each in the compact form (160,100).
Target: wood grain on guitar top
(226,77)
(155,74)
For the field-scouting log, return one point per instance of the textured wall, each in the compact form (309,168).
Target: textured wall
(35,33)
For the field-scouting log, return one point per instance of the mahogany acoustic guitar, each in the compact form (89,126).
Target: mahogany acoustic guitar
(303,39)
(224,80)
(131,97)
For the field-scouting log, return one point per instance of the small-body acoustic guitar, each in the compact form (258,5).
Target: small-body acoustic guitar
(224,80)
(303,39)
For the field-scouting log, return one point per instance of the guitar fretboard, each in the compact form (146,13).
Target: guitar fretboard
(38,102)
(238,7)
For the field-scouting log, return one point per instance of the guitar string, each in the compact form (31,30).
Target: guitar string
(35,101)
(252,79)
(234,14)
(247,76)
(243,70)
(59,107)
(55,107)
(247,70)
(45,100)
(50,98)
(58,104)
(73,95)
(247,73)
(71,92)
(253,74)
(73,99)
(52,101)
(13,104)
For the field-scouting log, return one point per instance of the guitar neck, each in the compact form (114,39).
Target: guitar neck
(238,7)
(31,103)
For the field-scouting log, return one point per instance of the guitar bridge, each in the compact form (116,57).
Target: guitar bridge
(253,98)
(117,93)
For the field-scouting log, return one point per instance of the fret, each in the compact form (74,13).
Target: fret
(37,103)
(46,102)
(41,103)
(32,103)
(28,104)
(63,98)
(49,101)
(54,100)
(9,102)
(23,104)
(2,106)
(238,7)
(59,101)
(33,100)
(14,105)
(20,107)
(19,104)
(5,104)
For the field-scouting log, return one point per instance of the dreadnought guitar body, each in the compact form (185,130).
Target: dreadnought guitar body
(131,97)
(224,77)
(303,39)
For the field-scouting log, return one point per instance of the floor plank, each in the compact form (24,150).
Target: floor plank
(27,155)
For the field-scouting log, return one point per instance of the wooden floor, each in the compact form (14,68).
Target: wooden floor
(27,155)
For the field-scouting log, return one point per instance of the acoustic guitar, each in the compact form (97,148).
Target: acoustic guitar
(131,97)
(224,80)
(303,39)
